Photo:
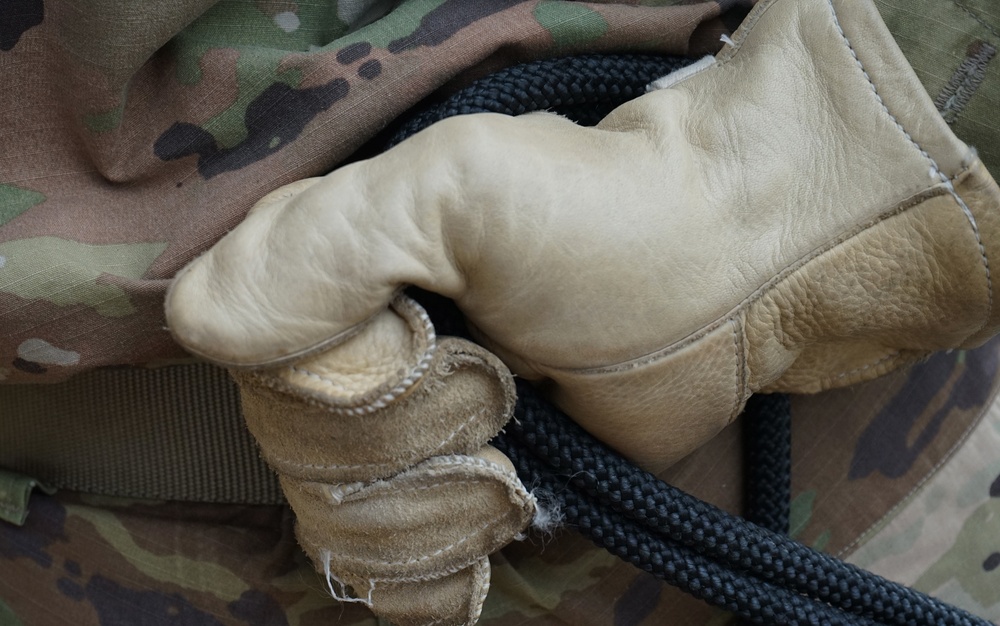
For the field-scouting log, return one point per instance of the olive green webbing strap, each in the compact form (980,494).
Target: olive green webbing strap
(167,433)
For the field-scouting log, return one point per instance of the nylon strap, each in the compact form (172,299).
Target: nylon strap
(15,492)
(169,433)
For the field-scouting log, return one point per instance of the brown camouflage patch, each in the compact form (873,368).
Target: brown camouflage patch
(179,120)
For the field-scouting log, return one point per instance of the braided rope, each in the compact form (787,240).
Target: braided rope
(767,453)
(663,510)
(759,601)
(583,88)
(767,463)
(731,563)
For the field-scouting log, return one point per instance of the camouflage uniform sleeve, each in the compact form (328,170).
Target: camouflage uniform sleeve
(135,136)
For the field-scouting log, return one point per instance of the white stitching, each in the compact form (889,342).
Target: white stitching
(935,170)
(414,376)
(739,374)
(481,575)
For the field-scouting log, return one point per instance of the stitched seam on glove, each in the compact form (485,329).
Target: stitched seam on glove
(935,169)
(741,367)
(420,323)
(888,357)
(910,203)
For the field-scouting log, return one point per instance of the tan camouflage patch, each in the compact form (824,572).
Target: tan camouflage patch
(68,272)
(944,538)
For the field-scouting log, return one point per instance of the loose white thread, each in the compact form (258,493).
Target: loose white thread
(343,596)
(548,516)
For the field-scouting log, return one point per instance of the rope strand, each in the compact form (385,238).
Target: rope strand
(664,510)
(729,562)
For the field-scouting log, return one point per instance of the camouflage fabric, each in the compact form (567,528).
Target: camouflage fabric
(858,453)
(945,539)
(135,135)
(952,45)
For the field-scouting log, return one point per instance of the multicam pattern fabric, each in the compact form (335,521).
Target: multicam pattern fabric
(952,45)
(135,135)
(946,539)
(94,561)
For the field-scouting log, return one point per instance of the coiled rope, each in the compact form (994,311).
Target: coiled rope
(750,569)
(608,497)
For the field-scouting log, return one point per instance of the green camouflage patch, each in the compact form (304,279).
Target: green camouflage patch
(173,569)
(800,514)
(229,127)
(7,617)
(261,42)
(107,121)
(399,24)
(15,200)
(68,272)
(968,561)
(570,24)
(536,587)
(15,491)
(243,27)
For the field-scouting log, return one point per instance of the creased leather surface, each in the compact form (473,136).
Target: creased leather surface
(793,217)
(380,447)
(784,191)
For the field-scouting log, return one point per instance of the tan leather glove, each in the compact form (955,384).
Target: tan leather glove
(793,215)
(380,444)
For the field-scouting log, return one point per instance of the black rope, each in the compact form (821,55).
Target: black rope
(731,563)
(584,88)
(767,463)
(661,509)
(759,601)
(767,466)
